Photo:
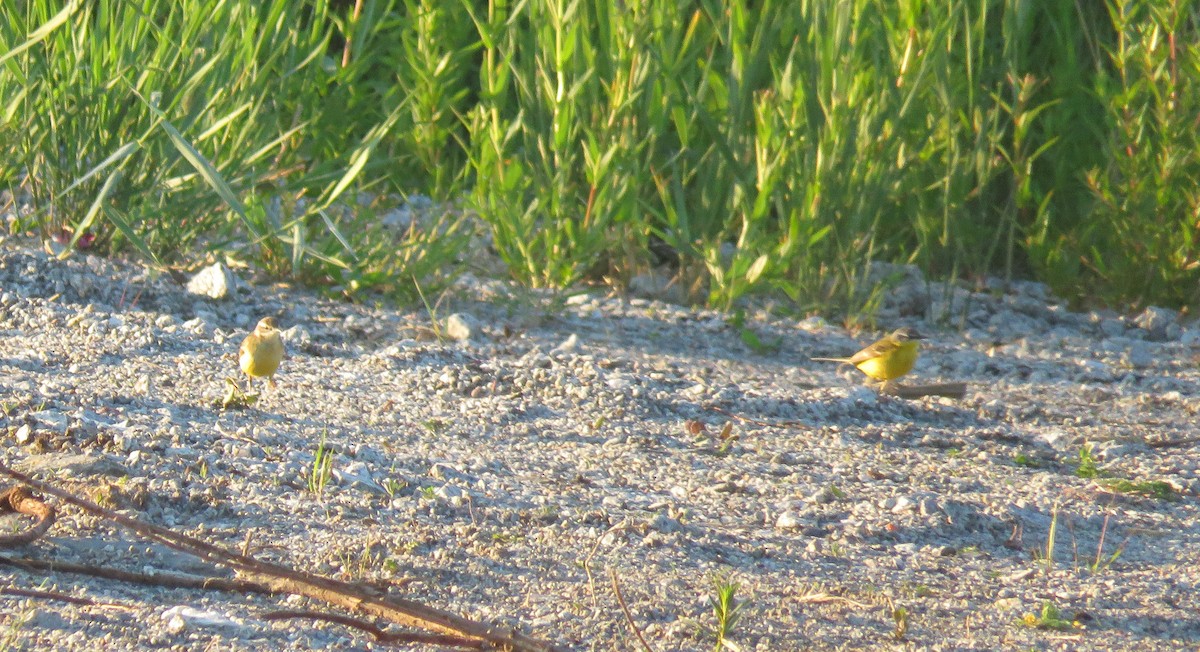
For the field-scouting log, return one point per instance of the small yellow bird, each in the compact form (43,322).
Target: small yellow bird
(261,351)
(887,359)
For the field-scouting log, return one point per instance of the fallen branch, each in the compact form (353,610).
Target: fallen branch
(381,636)
(949,390)
(285,580)
(58,597)
(19,500)
(179,581)
(166,580)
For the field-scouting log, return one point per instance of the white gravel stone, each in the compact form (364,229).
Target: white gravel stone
(460,326)
(215,282)
(787,521)
(1156,321)
(567,345)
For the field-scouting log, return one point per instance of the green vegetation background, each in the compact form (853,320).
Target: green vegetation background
(745,146)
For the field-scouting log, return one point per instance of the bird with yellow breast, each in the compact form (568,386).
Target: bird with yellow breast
(261,351)
(887,359)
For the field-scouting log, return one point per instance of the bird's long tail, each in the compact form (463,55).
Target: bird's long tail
(842,360)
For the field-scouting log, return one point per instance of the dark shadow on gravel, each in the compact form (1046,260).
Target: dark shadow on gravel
(1171,631)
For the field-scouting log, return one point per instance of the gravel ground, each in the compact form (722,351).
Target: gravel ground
(503,476)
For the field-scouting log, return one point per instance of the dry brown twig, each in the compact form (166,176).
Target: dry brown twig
(612,573)
(60,597)
(163,579)
(19,500)
(170,580)
(587,561)
(285,580)
(381,636)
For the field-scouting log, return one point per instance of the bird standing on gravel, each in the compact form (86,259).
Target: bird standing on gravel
(887,359)
(261,351)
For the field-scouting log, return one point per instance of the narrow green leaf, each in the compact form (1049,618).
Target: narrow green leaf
(206,169)
(38,35)
(90,217)
(337,233)
(121,154)
(119,221)
(359,159)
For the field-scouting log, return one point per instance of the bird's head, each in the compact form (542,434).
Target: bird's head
(905,334)
(267,324)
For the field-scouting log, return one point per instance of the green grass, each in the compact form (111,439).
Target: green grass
(1050,617)
(1021,459)
(751,338)
(726,610)
(175,128)
(1100,562)
(1089,465)
(900,618)
(1156,489)
(780,147)
(1103,562)
(1051,540)
(322,468)
(13,631)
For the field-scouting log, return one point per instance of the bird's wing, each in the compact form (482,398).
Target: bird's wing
(881,348)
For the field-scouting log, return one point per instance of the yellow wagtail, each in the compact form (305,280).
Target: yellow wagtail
(887,359)
(261,351)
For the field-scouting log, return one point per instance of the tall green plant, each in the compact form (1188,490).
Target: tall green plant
(229,125)
(740,145)
(557,139)
(73,97)
(752,168)
(428,53)
(1142,242)
(1066,41)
